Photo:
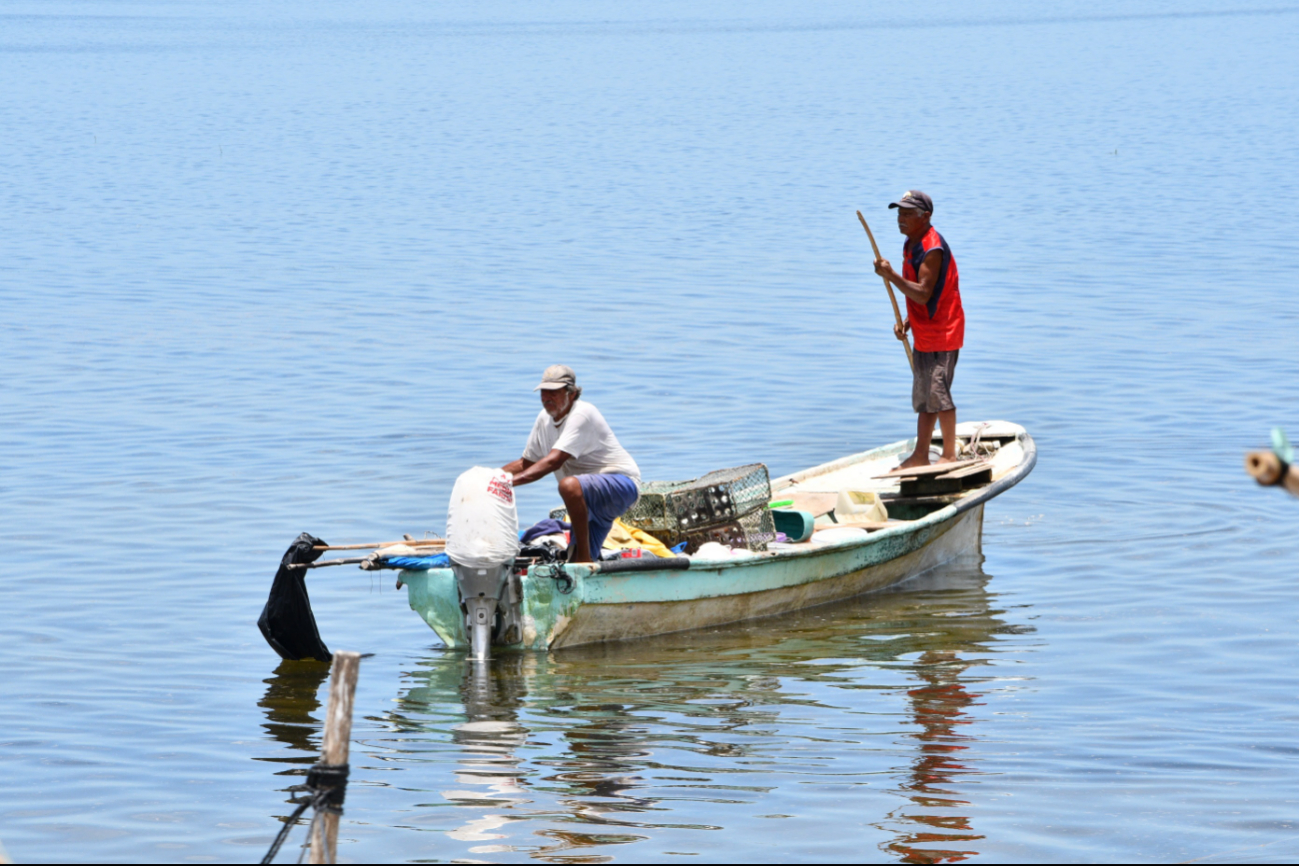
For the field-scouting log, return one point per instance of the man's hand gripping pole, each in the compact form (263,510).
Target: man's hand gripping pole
(906,344)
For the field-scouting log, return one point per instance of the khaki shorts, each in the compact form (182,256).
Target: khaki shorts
(931,385)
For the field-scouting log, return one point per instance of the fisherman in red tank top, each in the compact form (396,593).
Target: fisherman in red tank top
(930,281)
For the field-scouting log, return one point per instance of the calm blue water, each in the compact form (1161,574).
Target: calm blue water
(268,268)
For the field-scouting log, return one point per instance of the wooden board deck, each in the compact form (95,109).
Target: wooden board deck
(932,469)
(975,475)
(970,471)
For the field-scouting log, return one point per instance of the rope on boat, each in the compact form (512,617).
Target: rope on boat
(327,784)
(557,573)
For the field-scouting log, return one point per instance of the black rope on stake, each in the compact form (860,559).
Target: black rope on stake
(327,785)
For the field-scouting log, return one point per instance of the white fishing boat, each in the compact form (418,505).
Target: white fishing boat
(934,515)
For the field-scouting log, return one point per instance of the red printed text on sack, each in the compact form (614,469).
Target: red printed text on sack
(502,490)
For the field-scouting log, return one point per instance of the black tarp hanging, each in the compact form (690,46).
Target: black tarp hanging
(287,622)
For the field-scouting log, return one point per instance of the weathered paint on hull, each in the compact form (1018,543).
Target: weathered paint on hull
(610,620)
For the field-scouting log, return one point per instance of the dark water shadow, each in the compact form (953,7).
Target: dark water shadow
(291,702)
(681,703)
(292,706)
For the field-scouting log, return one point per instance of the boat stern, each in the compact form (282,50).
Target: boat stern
(551,595)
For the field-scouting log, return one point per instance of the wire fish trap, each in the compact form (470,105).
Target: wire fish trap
(733,502)
(754,531)
(684,510)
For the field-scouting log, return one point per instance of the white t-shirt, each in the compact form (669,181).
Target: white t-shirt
(586,436)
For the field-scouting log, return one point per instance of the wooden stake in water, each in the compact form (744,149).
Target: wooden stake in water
(338,734)
(1269,470)
(897,313)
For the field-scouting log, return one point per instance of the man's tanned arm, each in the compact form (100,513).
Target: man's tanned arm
(921,290)
(526,471)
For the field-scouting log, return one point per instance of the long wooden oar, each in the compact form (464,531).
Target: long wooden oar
(897,312)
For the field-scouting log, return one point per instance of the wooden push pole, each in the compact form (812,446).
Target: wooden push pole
(897,313)
(338,734)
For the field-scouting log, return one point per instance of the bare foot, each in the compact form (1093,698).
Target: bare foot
(946,459)
(914,460)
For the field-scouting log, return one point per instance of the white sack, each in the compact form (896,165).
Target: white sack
(712,551)
(839,535)
(482,519)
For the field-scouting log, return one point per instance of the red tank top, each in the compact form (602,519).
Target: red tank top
(939,326)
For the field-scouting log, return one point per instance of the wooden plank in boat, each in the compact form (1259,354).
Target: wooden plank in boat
(936,501)
(969,471)
(929,485)
(975,475)
(806,500)
(932,469)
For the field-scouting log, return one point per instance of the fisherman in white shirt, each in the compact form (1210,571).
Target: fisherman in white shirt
(598,480)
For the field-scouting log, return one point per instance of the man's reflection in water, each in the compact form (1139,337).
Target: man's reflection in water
(939,709)
(934,826)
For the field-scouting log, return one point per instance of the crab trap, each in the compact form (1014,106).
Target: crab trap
(728,506)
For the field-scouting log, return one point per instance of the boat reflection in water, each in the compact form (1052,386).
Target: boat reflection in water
(830,731)
(491,693)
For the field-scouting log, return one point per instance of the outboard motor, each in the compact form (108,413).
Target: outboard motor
(482,541)
(491,600)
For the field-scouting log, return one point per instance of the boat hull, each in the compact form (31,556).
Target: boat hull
(833,575)
(574,605)
(605,607)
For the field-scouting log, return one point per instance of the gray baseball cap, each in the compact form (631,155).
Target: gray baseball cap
(557,376)
(916,199)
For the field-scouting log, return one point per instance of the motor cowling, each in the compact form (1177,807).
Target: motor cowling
(482,542)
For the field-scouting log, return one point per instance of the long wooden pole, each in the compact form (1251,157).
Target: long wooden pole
(413,542)
(326,563)
(338,734)
(897,312)
(1269,470)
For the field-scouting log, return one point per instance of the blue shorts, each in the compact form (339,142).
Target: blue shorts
(607,498)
